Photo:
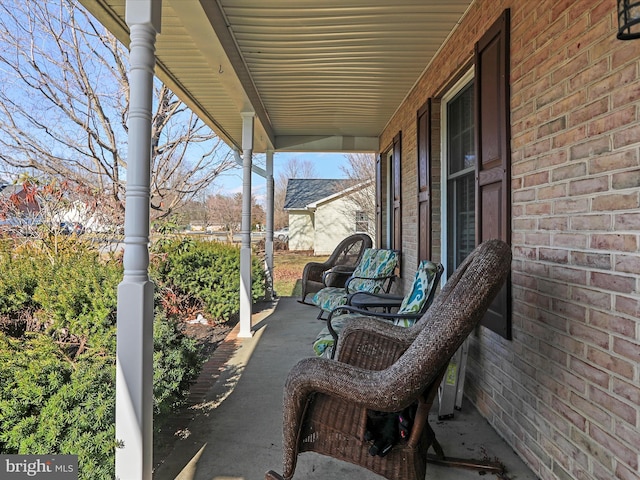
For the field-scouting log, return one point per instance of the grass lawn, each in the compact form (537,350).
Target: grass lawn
(287,272)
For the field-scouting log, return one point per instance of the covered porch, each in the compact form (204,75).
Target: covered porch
(233,427)
(491,119)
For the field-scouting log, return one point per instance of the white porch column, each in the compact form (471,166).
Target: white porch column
(134,362)
(245,248)
(268,244)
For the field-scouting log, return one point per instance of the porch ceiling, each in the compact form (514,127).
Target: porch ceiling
(320,75)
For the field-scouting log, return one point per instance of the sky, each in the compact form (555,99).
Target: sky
(327,165)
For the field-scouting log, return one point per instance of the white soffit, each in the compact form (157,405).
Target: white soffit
(320,75)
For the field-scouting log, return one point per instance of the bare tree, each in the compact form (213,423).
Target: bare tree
(226,210)
(294,168)
(64,105)
(361,169)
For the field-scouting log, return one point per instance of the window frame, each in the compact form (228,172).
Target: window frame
(462,83)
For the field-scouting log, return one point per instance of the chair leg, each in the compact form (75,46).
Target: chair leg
(490,466)
(271,475)
(441,459)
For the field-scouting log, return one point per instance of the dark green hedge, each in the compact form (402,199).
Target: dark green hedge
(210,271)
(57,342)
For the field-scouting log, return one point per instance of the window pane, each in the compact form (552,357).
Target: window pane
(362,222)
(461,146)
(461,224)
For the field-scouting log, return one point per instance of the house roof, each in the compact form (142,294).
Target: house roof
(301,193)
(320,75)
(7,190)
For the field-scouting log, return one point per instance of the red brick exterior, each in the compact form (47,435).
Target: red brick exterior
(565,392)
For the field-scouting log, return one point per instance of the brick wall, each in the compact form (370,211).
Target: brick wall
(565,392)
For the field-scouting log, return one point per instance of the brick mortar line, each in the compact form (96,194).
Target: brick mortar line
(213,366)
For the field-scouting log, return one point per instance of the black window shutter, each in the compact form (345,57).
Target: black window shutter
(493,193)
(379,201)
(424,181)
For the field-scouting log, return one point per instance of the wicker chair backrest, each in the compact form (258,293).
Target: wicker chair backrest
(451,317)
(350,250)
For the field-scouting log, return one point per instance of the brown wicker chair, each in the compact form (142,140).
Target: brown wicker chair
(337,268)
(386,368)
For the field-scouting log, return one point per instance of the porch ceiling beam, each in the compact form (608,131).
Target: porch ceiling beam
(235,75)
(323,143)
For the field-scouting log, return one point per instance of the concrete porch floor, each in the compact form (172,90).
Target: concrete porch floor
(233,427)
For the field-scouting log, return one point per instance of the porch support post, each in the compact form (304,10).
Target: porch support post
(134,355)
(245,229)
(268,244)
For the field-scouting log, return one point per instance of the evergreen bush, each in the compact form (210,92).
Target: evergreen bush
(210,271)
(57,372)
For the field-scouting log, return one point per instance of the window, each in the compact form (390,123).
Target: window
(388,197)
(461,163)
(362,222)
(472,122)
(459,172)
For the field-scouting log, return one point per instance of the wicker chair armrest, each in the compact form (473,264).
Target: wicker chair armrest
(314,271)
(337,276)
(347,382)
(343,269)
(382,296)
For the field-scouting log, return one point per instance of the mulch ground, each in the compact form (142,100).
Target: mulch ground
(208,337)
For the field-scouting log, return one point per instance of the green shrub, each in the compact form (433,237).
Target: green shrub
(50,405)
(58,398)
(57,385)
(19,276)
(80,294)
(208,270)
(176,362)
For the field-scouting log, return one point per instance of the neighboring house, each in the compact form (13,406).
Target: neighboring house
(20,201)
(79,213)
(322,212)
(19,209)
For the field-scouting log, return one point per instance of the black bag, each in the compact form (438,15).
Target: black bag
(386,429)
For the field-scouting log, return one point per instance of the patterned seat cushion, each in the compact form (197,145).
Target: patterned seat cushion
(376,264)
(329,298)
